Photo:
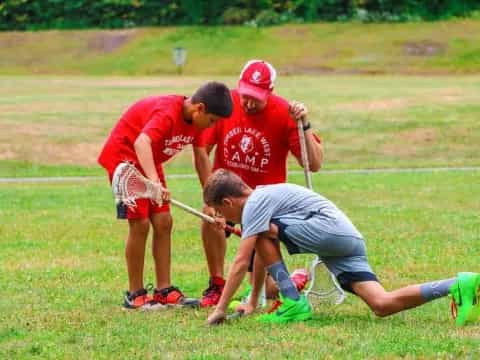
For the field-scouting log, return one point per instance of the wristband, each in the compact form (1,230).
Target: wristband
(306,127)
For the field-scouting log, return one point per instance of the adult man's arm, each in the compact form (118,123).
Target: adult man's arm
(299,112)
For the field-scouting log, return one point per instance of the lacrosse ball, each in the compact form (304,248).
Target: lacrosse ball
(233,305)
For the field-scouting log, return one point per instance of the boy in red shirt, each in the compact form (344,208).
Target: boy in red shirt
(254,143)
(152,131)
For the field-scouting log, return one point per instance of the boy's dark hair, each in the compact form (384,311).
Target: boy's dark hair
(221,184)
(216,98)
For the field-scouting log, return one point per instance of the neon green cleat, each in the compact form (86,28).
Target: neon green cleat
(465,294)
(290,310)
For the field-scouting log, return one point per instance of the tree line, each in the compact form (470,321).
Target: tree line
(77,14)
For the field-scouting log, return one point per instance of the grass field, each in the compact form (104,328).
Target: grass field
(63,272)
(57,125)
(62,269)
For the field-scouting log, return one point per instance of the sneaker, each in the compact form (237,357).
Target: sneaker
(212,294)
(172,296)
(300,278)
(465,294)
(140,300)
(290,310)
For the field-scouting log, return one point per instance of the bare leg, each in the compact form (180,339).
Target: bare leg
(161,247)
(384,303)
(215,246)
(135,252)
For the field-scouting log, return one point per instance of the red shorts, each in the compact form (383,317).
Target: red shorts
(144,207)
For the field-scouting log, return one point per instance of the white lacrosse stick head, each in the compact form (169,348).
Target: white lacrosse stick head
(324,288)
(128,185)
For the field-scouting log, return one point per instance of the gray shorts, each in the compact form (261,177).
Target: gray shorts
(345,255)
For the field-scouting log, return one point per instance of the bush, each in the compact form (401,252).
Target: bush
(235,16)
(267,17)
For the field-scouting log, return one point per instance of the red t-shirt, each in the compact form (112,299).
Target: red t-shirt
(159,117)
(255,147)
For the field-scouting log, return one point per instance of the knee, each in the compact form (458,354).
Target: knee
(163,225)
(381,306)
(140,226)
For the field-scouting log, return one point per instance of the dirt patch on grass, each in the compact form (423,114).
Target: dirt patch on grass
(375,105)
(46,144)
(407,143)
(424,48)
(418,136)
(82,154)
(109,41)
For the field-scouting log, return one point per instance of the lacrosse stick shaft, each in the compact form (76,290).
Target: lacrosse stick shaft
(308,182)
(203,216)
(304,154)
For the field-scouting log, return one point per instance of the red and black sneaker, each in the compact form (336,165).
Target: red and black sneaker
(140,300)
(172,296)
(212,294)
(300,278)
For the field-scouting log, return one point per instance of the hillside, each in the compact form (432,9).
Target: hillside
(352,48)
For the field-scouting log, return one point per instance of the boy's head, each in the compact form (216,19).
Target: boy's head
(255,85)
(211,102)
(226,192)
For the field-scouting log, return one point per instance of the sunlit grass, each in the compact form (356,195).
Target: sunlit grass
(63,273)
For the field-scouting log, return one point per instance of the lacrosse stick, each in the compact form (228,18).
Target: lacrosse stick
(323,284)
(323,288)
(304,154)
(128,185)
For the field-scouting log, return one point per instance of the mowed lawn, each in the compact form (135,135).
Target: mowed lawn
(57,125)
(62,270)
(63,274)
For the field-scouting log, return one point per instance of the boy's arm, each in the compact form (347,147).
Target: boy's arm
(202,162)
(143,149)
(235,276)
(258,281)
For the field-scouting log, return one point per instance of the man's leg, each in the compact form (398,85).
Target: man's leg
(215,247)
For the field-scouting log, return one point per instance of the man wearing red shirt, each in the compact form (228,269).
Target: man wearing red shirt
(254,143)
(152,131)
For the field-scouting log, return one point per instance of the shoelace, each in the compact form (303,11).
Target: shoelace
(453,304)
(275,306)
(165,291)
(212,289)
(453,309)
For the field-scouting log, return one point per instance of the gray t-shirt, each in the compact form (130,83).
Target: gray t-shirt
(292,203)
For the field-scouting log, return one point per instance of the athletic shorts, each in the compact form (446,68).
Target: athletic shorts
(144,207)
(344,255)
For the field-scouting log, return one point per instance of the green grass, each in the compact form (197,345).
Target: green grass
(63,272)
(424,48)
(62,266)
(57,125)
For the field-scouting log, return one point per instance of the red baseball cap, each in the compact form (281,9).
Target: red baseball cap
(256,79)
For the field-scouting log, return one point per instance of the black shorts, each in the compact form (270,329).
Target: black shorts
(346,279)
(121,210)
